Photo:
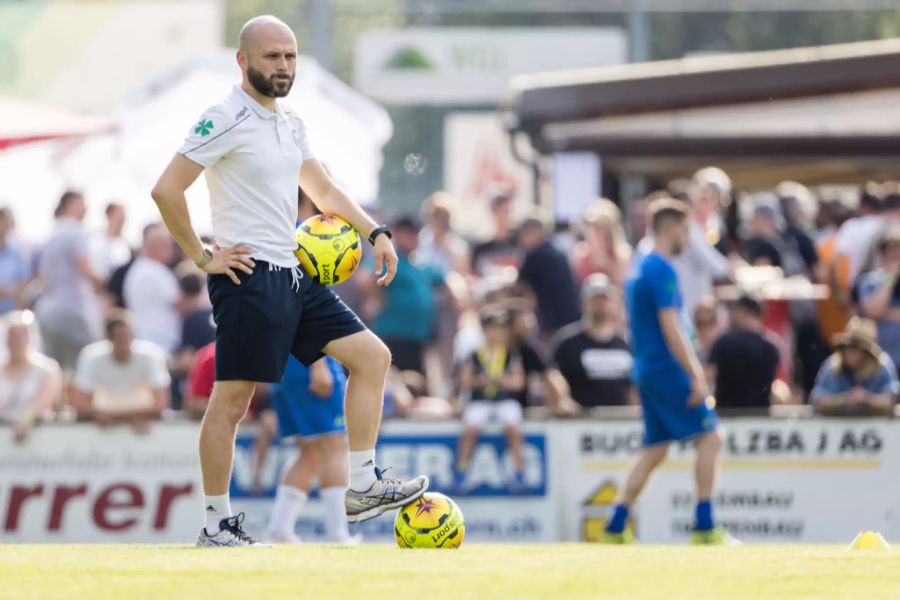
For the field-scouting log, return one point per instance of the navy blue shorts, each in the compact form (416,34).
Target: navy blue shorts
(667,415)
(302,413)
(266,318)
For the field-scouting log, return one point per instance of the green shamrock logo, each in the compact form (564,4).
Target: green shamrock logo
(203,127)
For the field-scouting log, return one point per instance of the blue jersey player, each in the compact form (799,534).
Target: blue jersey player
(674,393)
(309,402)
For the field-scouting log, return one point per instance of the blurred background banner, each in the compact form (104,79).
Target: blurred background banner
(91,54)
(782,481)
(456,65)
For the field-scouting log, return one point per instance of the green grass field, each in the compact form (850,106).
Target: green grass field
(495,572)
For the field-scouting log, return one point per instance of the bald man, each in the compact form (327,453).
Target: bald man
(254,152)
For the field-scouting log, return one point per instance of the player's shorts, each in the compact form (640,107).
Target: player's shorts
(479,413)
(667,415)
(302,413)
(266,317)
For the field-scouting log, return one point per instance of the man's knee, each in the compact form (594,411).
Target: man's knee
(373,359)
(711,442)
(231,399)
(657,454)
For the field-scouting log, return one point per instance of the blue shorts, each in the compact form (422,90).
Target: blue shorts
(667,415)
(302,413)
(266,318)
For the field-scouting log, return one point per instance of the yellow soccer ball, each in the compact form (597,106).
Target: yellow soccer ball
(328,248)
(431,521)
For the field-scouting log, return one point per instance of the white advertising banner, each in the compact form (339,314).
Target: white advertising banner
(781,481)
(471,65)
(81,483)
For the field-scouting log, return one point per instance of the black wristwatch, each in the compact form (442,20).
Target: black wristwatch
(378,231)
(207,257)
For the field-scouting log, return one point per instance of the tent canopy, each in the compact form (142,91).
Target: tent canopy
(346,132)
(23,121)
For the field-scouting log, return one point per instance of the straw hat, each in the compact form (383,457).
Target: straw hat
(859,333)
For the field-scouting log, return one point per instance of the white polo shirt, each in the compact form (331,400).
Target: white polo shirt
(121,386)
(252,159)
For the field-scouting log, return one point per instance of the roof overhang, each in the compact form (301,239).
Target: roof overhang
(837,102)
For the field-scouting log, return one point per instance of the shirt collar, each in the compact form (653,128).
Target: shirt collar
(258,108)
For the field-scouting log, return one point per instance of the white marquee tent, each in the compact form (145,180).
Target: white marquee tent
(346,131)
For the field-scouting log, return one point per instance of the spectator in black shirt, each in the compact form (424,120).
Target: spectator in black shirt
(742,362)
(546,273)
(591,354)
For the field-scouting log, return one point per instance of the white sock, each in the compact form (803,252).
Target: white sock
(289,501)
(362,469)
(216,508)
(335,513)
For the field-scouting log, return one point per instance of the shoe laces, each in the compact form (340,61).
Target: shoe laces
(379,474)
(233,525)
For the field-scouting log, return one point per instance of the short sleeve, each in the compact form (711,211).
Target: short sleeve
(556,352)
(303,140)
(532,361)
(84,371)
(77,243)
(208,139)
(157,372)
(21,267)
(826,382)
(526,272)
(870,283)
(664,284)
(887,379)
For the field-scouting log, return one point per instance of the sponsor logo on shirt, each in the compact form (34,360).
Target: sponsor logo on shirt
(241,113)
(607,364)
(203,127)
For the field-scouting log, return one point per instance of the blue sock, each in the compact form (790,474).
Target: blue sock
(616,523)
(704,515)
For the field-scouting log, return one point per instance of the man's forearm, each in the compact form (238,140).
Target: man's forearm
(686,357)
(830,404)
(682,351)
(174,210)
(336,202)
(881,402)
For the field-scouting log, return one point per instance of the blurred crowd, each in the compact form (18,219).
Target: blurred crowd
(791,297)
